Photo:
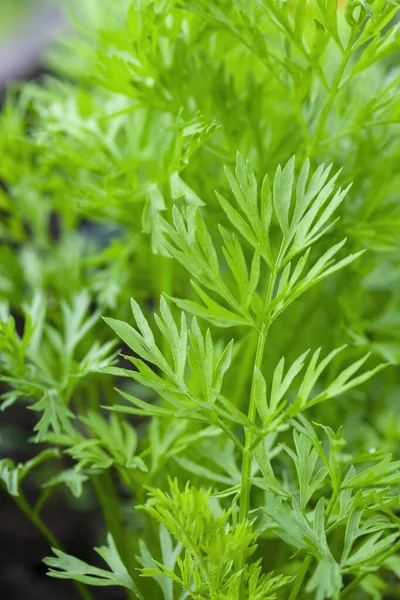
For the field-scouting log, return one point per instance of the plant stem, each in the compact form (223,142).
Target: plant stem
(300,577)
(109,503)
(245,485)
(247,455)
(110,507)
(332,501)
(329,103)
(107,496)
(351,586)
(37,522)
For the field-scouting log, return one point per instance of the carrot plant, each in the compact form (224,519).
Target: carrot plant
(200,295)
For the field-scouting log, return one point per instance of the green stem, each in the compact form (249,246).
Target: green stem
(37,522)
(245,486)
(351,586)
(329,103)
(109,503)
(300,577)
(247,455)
(230,433)
(332,502)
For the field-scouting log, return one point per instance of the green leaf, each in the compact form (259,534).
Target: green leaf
(326,580)
(72,478)
(382,474)
(283,184)
(260,392)
(169,556)
(56,415)
(281,384)
(201,471)
(214,313)
(65,566)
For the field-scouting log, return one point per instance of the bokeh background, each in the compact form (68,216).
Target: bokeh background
(27,27)
(27,30)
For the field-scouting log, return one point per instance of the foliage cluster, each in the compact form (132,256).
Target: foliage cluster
(200,295)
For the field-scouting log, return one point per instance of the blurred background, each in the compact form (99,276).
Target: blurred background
(27,27)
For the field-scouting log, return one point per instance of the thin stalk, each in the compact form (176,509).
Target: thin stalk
(34,517)
(351,586)
(332,502)
(110,507)
(333,92)
(247,455)
(298,582)
(245,486)
(37,522)
(230,433)
(107,497)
